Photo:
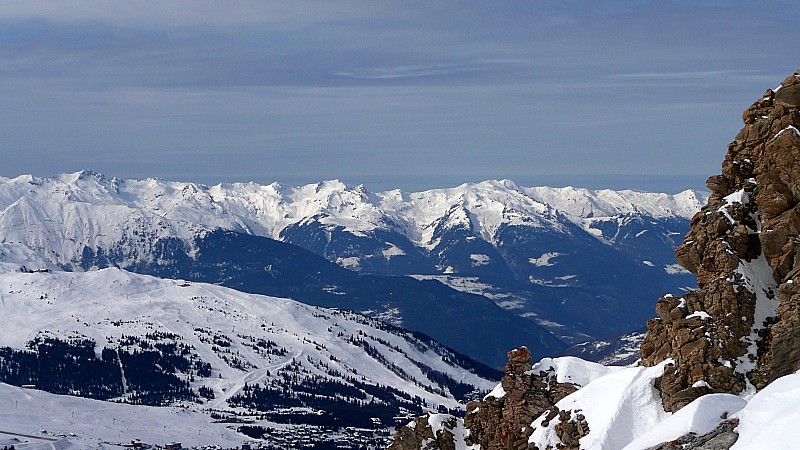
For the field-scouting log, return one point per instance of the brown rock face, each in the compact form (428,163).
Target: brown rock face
(744,247)
(501,422)
(505,422)
(421,436)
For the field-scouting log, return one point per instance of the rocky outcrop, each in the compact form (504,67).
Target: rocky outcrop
(720,438)
(741,328)
(428,432)
(502,421)
(736,333)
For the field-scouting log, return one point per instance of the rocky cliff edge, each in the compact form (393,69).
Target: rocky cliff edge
(735,334)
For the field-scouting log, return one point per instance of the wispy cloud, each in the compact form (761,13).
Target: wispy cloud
(684,75)
(419,87)
(428,70)
(191,12)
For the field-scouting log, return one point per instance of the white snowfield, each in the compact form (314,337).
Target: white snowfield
(618,406)
(14,257)
(767,421)
(106,304)
(568,369)
(78,423)
(62,215)
(700,417)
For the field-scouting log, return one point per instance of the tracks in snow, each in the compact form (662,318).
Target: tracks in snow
(253,377)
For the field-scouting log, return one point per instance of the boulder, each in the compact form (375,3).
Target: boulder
(789,93)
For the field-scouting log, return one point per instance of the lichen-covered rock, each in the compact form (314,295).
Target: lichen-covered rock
(744,247)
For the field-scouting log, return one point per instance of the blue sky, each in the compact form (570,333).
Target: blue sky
(410,94)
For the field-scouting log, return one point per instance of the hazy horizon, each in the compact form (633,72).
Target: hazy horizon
(647,183)
(395,94)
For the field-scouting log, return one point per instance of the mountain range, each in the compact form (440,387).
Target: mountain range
(564,265)
(145,293)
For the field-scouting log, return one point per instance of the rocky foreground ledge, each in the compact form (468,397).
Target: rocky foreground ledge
(503,418)
(705,355)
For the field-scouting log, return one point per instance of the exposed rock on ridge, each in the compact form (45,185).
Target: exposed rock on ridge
(744,247)
(720,438)
(424,434)
(502,419)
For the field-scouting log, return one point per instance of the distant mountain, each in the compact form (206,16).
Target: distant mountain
(619,351)
(250,362)
(84,221)
(580,263)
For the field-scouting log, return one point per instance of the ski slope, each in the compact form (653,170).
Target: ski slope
(247,340)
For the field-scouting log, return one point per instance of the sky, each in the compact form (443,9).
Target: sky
(409,94)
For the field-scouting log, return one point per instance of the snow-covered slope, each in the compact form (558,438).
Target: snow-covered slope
(19,257)
(638,422)
(74,423)
(624,411)
(115,335)
(620,406)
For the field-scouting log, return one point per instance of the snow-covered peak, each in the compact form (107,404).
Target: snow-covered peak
(484,207)
(65,213)
(585,203)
